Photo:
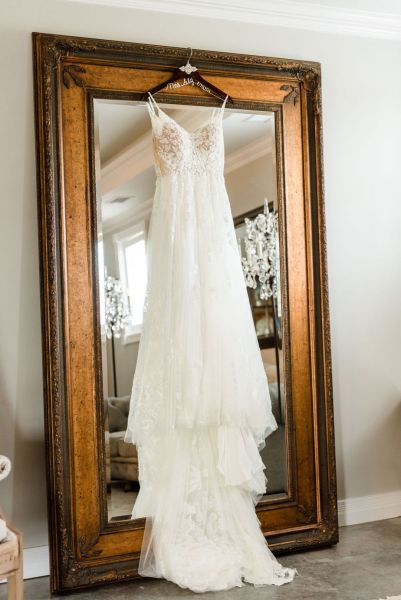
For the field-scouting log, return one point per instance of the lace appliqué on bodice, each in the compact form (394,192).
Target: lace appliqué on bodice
(177,151)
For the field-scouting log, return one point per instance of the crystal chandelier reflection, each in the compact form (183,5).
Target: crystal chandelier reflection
(261,261)
(116,309)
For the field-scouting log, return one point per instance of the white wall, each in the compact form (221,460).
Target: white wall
(362,132)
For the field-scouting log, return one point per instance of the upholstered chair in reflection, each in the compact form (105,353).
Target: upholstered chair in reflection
(122,459)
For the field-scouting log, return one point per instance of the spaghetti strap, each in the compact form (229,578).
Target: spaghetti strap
(152,106)
(219,110)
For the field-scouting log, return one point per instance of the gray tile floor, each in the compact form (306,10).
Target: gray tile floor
(365,565)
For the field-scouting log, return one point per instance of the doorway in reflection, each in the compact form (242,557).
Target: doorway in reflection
(125,181)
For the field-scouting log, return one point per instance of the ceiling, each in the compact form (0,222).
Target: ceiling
(350,17)
(119,124)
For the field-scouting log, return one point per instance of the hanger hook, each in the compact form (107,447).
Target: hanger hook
(189,54)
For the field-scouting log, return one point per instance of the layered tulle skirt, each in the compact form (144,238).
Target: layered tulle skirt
(200,408)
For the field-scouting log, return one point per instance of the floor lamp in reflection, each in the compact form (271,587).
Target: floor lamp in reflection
(261,267)
(116,316)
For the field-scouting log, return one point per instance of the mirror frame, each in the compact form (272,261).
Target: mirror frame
(69,72)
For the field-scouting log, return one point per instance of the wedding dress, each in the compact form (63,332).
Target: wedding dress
(200,408)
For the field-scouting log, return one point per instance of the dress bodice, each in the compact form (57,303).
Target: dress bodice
(179,152)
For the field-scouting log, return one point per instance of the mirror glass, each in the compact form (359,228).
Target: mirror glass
(125,183)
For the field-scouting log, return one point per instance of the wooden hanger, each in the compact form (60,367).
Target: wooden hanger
(191,73)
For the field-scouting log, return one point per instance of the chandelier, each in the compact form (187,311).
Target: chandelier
(261,263)
(116,309)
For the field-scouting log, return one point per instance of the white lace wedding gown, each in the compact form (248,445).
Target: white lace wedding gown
(200,408)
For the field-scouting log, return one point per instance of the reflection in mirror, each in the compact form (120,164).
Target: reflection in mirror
(125,179)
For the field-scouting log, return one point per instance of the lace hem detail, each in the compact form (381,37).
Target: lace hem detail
(202,531)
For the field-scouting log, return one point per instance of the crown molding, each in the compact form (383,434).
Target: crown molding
(279,13)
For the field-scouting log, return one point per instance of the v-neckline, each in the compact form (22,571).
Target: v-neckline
(189,133)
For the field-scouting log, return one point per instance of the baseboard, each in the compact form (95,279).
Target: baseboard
(352,511)
(36,562)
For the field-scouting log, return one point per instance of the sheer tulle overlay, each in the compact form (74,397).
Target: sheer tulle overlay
(200,408)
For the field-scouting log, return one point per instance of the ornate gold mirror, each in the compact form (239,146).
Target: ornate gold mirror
(96,183)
